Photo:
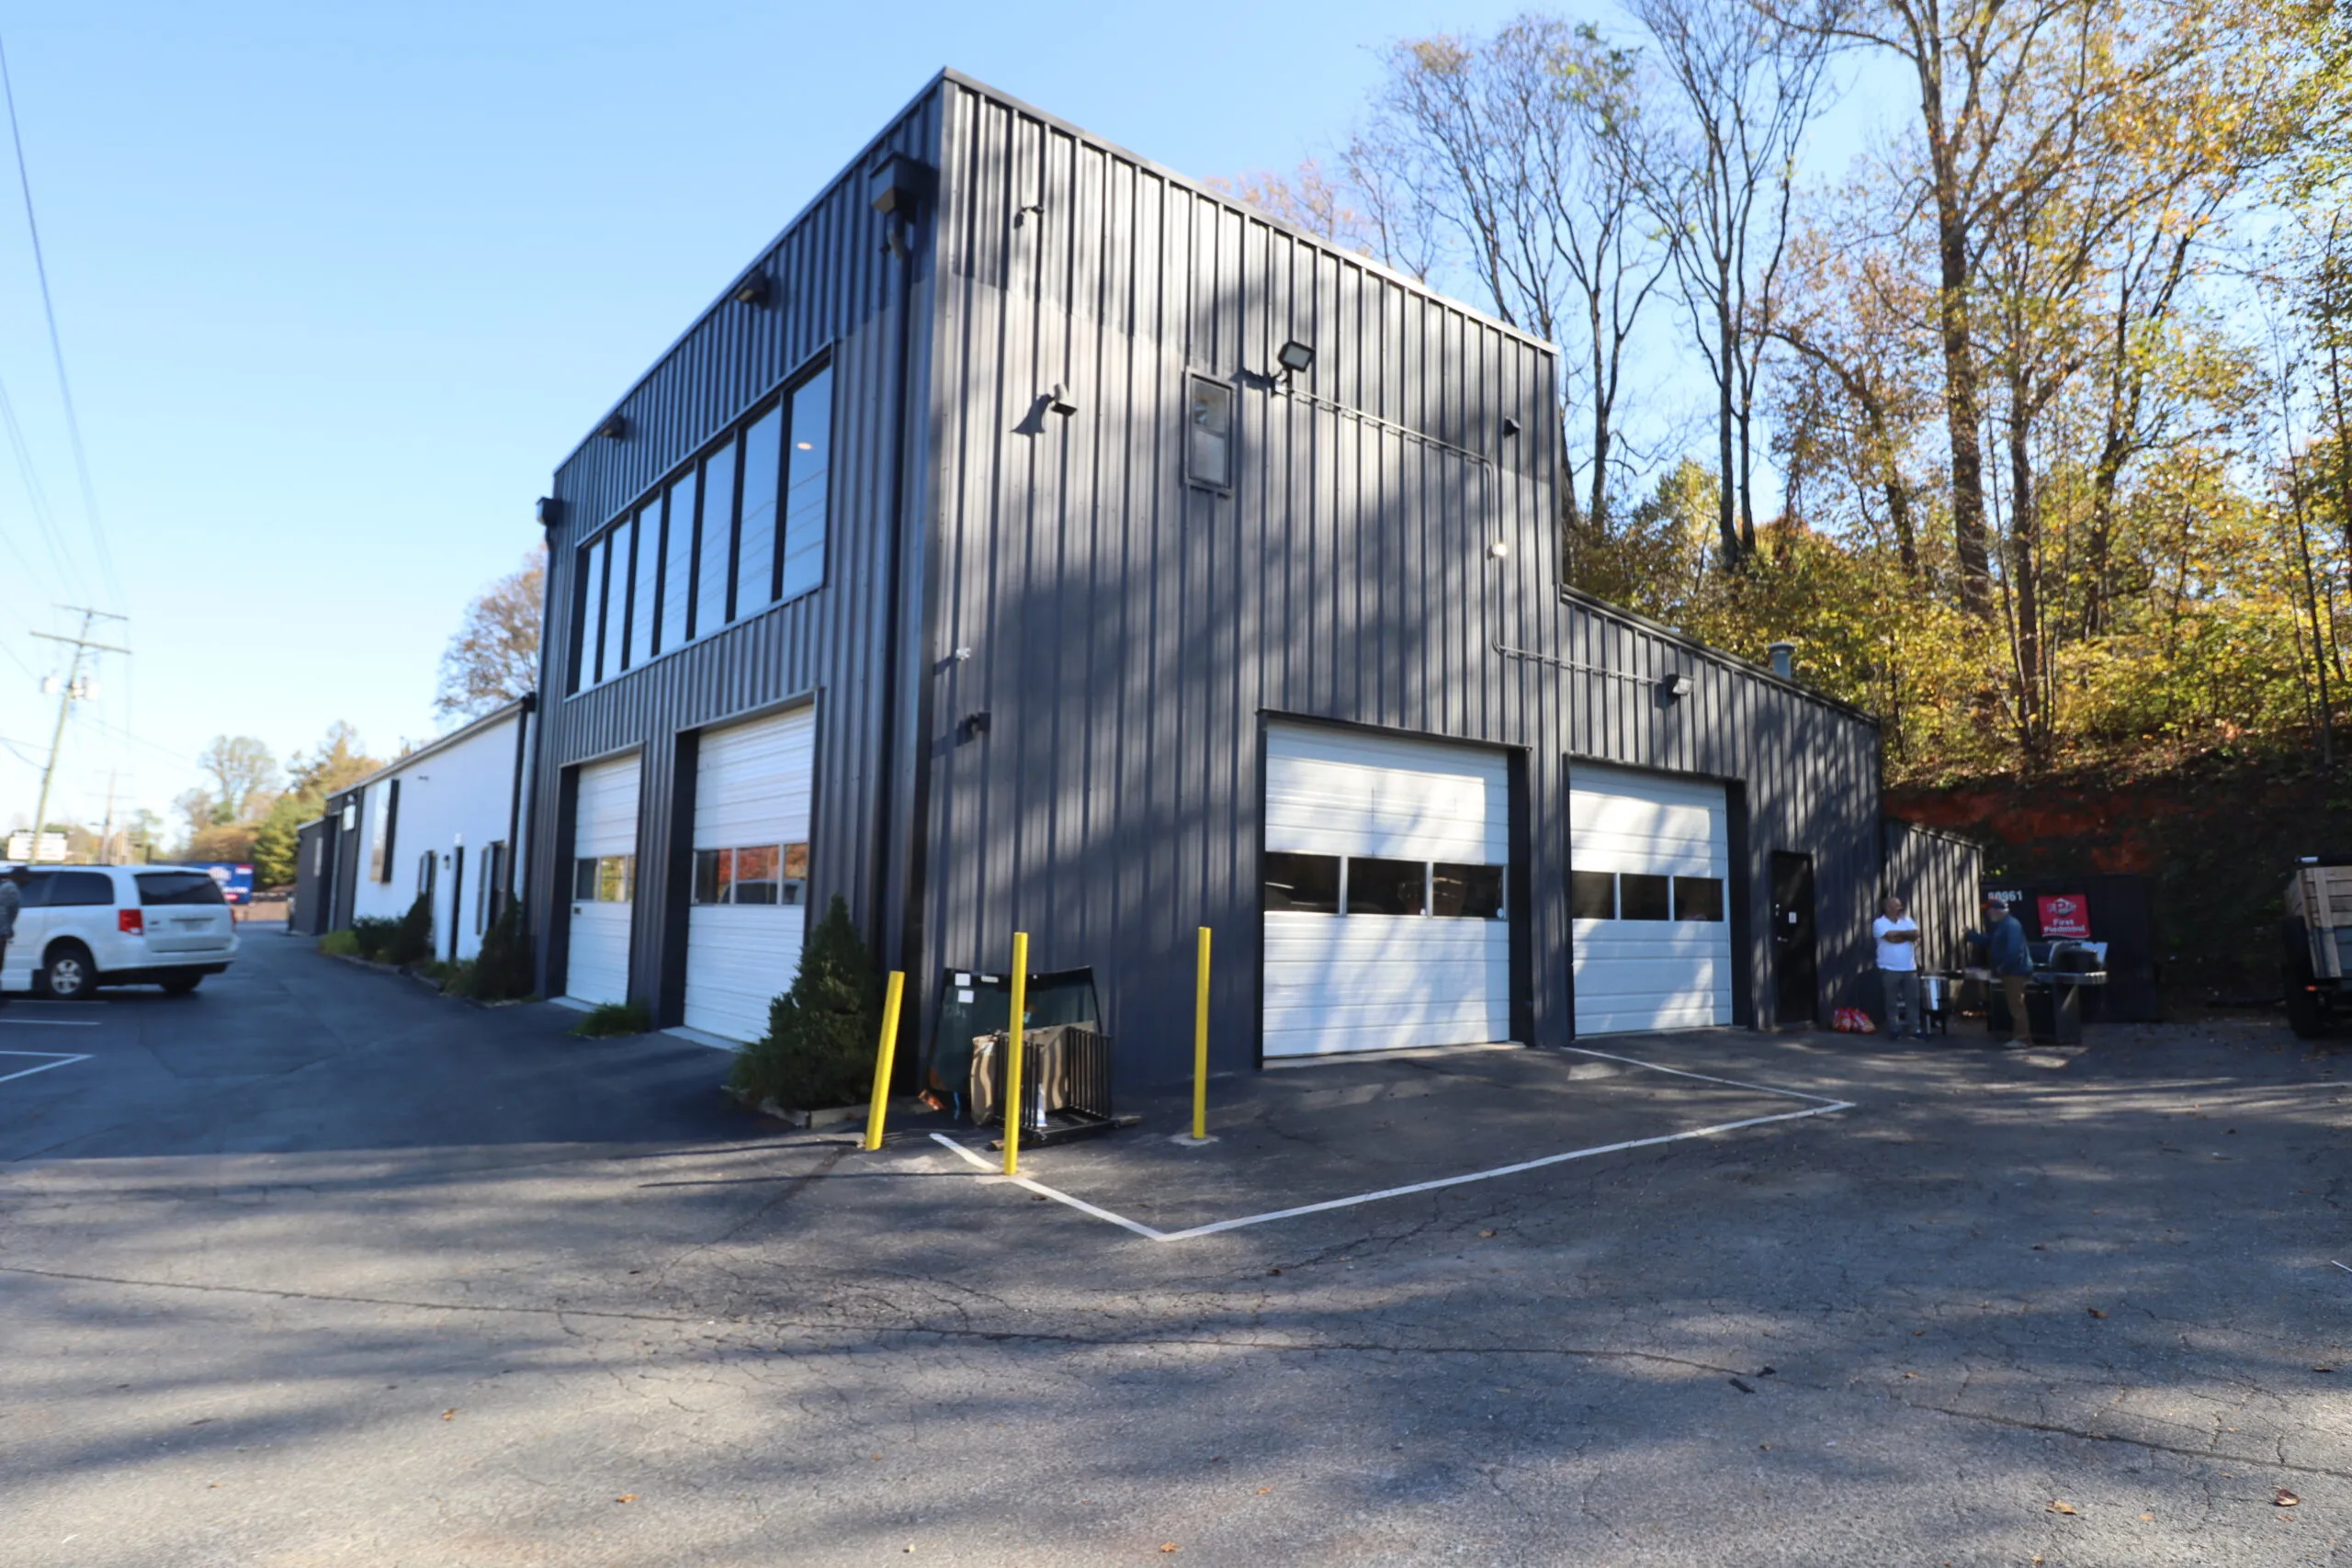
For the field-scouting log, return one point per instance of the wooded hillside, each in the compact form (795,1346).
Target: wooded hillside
(2045,381)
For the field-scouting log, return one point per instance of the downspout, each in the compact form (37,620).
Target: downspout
(530,701)
(898,186)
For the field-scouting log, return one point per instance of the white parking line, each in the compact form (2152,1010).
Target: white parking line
(60,1059)
(1824,1106)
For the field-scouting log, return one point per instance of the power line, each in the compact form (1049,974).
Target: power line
(57,344)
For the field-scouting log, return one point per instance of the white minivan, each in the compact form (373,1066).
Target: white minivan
(86,926)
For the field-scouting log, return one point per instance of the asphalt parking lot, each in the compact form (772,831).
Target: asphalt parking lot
(315,1267)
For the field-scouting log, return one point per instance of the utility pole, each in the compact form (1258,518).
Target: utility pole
(73,691)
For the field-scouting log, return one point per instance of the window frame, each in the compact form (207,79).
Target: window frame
(1195,481)
(821,367)
(600,648)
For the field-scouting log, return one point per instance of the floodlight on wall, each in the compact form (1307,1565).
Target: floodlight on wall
(751,290)
(613,428)
(550,512)
(1296,358)
(1511,427)
(1499,549)
(1674,688)
(1058,401)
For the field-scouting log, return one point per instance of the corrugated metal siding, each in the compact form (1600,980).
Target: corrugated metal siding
(833,289)
(1808,771)
(1128,634)
(1938,875)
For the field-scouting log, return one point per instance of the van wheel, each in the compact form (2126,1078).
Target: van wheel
(181,984)
(67,974)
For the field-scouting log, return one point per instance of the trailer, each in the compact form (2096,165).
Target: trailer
(2317,936)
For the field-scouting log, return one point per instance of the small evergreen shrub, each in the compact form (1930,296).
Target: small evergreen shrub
(502,970)
(412,933)
(818,1051)
(612,1019)
(373,937)
(340,945)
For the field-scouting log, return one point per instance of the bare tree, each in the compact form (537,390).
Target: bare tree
(1751,85)
(1520,160)
(495,658)
(245,777)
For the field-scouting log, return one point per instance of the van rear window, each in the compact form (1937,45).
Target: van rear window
(178,887)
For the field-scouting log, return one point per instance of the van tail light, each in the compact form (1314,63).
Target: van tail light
(130,922)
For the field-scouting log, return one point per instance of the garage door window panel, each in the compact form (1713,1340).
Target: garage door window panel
(1466,892)
(1592,894)
(1698,898)
(1378,886)
(1643,896)
(1302,883)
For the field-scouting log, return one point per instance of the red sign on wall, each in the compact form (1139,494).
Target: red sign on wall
(2065,915)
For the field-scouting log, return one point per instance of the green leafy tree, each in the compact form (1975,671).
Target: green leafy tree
(820,1046)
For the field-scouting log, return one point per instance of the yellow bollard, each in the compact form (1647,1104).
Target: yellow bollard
(883,1056)
(1012,1055)
(1201,1045)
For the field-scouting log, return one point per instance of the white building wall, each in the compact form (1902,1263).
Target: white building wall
(456,798)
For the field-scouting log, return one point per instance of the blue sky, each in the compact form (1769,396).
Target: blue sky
(339,286)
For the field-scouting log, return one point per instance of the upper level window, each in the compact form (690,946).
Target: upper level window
(722,538)
(755,534)
(1208,433)
(715,556)
(678,562)
(644,599)
(807,462)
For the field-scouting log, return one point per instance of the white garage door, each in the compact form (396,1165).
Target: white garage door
(603,881)
(1384,879)
(745,927)
(1649,872)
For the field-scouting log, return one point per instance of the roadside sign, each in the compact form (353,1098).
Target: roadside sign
(236,879)
(2065,915)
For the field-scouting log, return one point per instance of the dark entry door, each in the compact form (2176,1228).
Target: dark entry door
(1795,980)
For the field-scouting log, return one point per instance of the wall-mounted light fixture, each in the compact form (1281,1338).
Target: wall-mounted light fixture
(1058,401)
(752,289)
(1296,358)
(1499,549)
(1674,688)
(896,186)
(1511,427)
(615,428)
(550,512)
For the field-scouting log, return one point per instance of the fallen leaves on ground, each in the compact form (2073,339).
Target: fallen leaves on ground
(1169,1546)
(2095,1312)
(625,1497)
(450,1415)
(2285,1498)
(2060,1505)
(1486,1235)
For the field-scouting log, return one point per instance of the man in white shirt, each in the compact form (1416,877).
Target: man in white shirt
(1897,935)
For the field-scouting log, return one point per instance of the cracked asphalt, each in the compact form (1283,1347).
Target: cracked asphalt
(315,1267)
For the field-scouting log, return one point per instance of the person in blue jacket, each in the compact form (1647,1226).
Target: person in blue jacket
(2012,963)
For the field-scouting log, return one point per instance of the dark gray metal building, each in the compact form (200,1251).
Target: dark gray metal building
(1034,539)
